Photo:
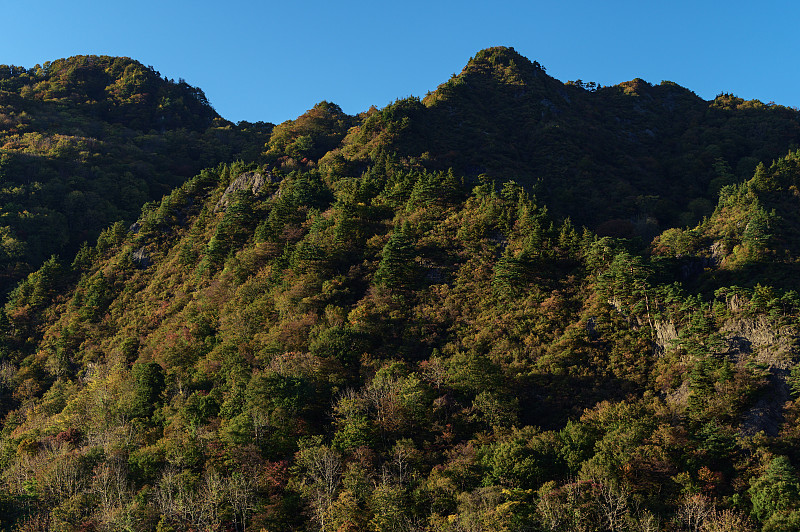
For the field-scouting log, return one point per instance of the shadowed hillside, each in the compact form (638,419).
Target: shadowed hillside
(395,321)
(86,141)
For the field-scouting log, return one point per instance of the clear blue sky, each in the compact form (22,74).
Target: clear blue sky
(271,61)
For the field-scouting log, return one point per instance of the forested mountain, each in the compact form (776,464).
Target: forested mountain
(515,304)
(86,141)
(631,159)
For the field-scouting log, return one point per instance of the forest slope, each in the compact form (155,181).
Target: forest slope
(394,348)
(86,141)
(630,159)
(377,326)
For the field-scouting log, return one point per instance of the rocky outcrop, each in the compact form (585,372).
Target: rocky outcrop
(252,181)
(141,258)
(767,414)
(664,335)
(679,397)
(756,339)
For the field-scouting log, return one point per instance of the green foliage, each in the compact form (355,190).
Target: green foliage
(391,333)
(311,135)
(234,228)
(279,398)
(440,188)
(396,266)
(38,288)
(86,141)
(98,296)
(342,343)
(299,192)
(148,387)
(776,491)
(524,461)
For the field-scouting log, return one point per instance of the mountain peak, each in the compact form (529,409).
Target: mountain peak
(506,55)
(499,68)
(504,63)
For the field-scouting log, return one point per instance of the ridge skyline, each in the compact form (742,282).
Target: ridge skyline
(272,62)
(588,84)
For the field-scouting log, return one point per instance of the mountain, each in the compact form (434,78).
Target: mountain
(627,159)
(86,141)
(394,321)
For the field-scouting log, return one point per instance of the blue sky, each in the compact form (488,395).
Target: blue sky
(271,61)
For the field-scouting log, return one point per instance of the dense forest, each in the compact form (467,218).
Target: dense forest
(514,304)
(86,141)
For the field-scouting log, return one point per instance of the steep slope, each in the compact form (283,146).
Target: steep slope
(269,349)
(86,141)
(627,159)
(752,237)
(377,328)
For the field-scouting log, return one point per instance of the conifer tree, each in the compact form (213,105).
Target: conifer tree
(397,257)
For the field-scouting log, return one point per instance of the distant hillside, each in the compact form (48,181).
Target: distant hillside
(630,159)
(86,141)
(753,236)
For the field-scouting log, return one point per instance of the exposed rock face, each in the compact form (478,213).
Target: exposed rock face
(141,258)
(591,329)
(679,397)
(748,340)
(252,181)
(718,252)
(767,414)
(618,305)
(665,334)
(736,303)
(755,339)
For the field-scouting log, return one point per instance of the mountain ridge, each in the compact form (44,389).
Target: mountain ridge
(564,141)
(395,321)
(85,141)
